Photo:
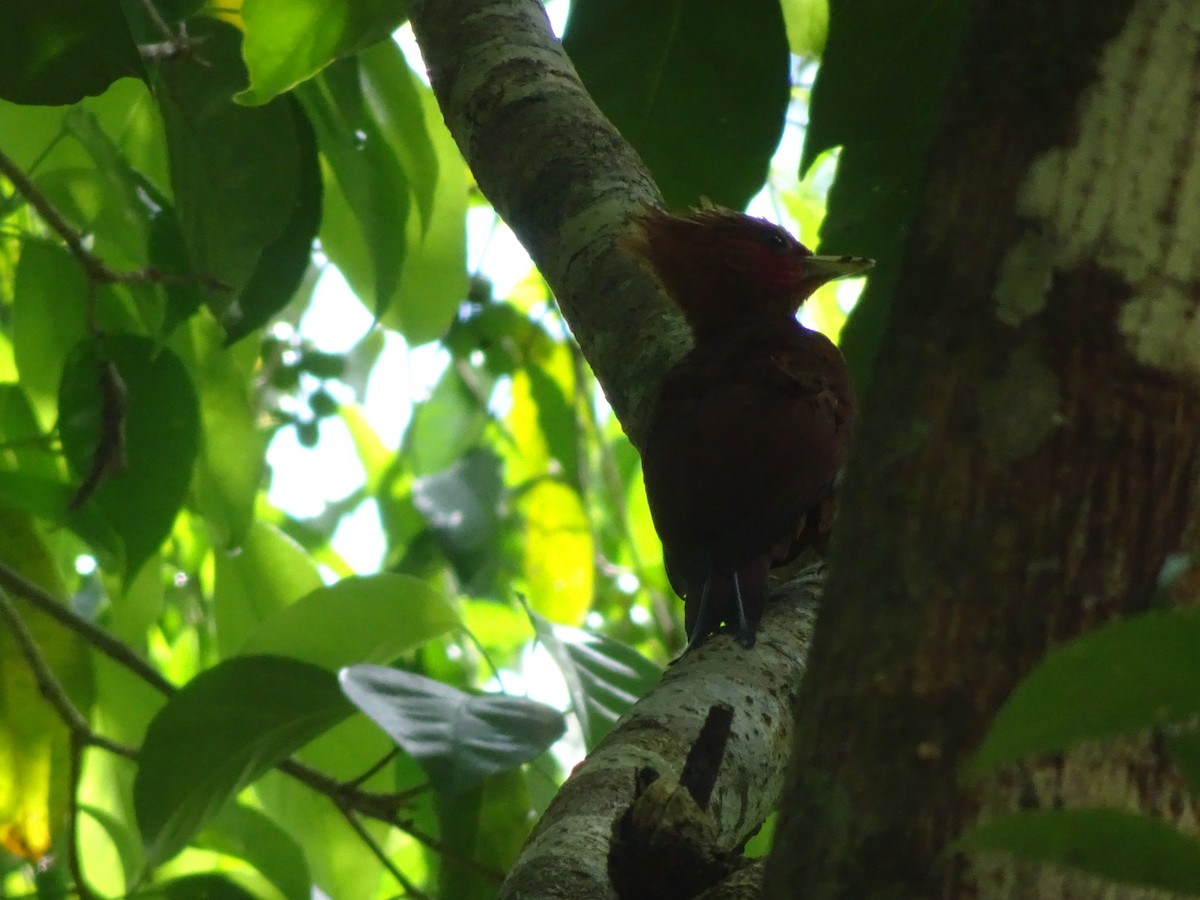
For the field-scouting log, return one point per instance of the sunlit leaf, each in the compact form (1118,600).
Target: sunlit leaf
(225,728)
(266,573)
(1123,677)
(542,421)
(121,834)
(248,834)
(230,466)
(48,316)
(396,191)
(340,863)
(33,740)
(807,22)
(559,553)
(287,43)
(1111,843)
(449,423)
(204,886)
(458,738)
(373,618)
(376,457)
(434,281)
(31,477)
(604,677)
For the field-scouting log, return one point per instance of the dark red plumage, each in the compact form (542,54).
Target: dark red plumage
(749,429)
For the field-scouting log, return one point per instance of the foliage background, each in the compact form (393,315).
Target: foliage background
(205,179)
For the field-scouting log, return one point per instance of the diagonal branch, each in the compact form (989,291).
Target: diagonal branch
(561,176)
(97,271)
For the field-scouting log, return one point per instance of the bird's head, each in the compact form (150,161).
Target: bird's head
(722,267)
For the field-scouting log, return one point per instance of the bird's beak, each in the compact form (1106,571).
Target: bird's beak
(821,269)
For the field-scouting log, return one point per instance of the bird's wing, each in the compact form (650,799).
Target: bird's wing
(731,467)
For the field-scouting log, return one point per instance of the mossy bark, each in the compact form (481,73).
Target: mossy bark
(1028,457)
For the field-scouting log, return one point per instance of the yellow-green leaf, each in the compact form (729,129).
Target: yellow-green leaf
(559,553)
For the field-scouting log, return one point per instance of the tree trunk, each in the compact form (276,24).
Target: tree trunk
(1027,458)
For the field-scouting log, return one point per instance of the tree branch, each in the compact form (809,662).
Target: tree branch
(347,796)
(97,271)
(566,856)
(51,688)
(562,177)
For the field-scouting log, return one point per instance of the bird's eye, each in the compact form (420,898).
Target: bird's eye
(776,241)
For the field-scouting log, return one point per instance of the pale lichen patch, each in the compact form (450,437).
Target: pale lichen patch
(1126,193)
(1025,275)
(1162,326)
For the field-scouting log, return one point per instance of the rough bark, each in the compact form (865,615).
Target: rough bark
(567,854)
(561,176)
(1028,456)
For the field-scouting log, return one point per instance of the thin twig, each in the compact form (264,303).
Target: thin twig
(382,807)
(97,637)
(438,847)
(96,270)
(365,836)
(51,688)
(375,769)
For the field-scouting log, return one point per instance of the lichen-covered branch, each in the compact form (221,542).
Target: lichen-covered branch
(567,855)
(562,177)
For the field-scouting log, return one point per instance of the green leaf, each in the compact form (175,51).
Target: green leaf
(560,557)
(48,318)
(59,51)
(488,824)
(556,419)
(236,171)
(459,739)
(340,863)
(121,219)
(1121,846)
(205,886)
(366,187)
(248,834)
(878,96)
(261,577)
(225,728)
(807,22)
(288,43)
(604,677)
(230,468)
(122,837)
(462,507)
(284,261)
(161,434)
(448,424)
(396,191)
(34,744)
(1133,674)
(372,618)
(1184,744)
(434,281)
(700,88)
